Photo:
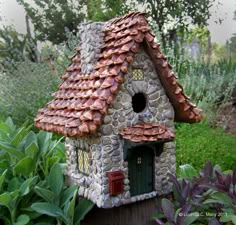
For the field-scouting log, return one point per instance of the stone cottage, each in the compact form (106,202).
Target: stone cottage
(117,105)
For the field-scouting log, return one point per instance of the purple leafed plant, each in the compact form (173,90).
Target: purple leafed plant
(209,198)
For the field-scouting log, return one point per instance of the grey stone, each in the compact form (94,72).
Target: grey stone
(110,111)
(107,119)
(81,191)
(106,141)
(154,96)
(105,189)
(151,89)
(126,181)
(169,114)
(154,104)
(107,161)
(116,159)
(126,97)
(135,88)
(86,193)
(107,129)
(115,123)
(127,194)
(108,149)
(116,201)
(128,111)
(97,155)
(117,105)
(121,119)
(115,145)
(127,105)
(115,116)
(153,111)
(93,148)
(116,153)
(107,202)
(107,167)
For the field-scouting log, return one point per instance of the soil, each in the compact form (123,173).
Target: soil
(227,118)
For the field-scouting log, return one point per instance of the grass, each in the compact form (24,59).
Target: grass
(198,143)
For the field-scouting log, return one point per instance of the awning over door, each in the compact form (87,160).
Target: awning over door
(147,132)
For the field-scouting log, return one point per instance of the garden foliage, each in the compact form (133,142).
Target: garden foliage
(197,143)
(32,187)
(207,198)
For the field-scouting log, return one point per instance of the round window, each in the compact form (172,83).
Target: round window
(139,102)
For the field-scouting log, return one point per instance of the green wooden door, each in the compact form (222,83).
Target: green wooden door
(141,170)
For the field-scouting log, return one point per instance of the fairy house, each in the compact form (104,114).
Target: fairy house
(117,105)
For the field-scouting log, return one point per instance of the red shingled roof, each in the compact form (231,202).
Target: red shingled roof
(147,132)
(82,100)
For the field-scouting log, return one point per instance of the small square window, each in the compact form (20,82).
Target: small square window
(83,161)
(137,74)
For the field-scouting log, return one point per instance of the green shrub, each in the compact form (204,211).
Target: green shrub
(26,89)
(26,86)
(207,198)
(197,143)
(210,87)
(32,188)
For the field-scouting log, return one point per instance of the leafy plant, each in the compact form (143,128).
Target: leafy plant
(209,198)
(32,188)
(58,202)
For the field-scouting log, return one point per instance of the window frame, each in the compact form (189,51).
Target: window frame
(83,168)
(137,69)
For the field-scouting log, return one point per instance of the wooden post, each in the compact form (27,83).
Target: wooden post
(138,213)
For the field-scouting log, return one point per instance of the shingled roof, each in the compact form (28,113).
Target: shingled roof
(147,132)
(82,100)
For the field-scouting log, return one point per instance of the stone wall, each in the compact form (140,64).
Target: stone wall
(107,148)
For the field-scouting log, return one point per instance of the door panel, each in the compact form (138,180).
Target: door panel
(141,170)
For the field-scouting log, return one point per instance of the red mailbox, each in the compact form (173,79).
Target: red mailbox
(115,182)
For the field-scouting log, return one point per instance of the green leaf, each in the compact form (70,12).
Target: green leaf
(10,123)
(22,220)
(24,167)
(19,136)
(13,184)
(11,150)
(228,218)
(52,160)
(46,194)
(2,178)
(5,128)
(47,209)
(187,171)
(27,185)
(32,150)
(218,197)
(29,139)
(55,179)
(5,199)
(68,194)
(70,207)
(82,209)
(44,140)
(190,219)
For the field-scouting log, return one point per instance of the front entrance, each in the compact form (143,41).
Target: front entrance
(140,163)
